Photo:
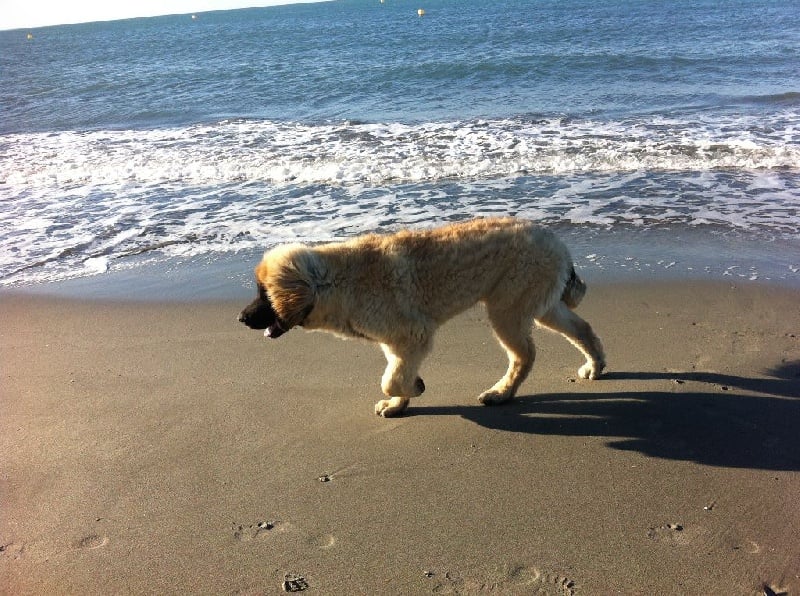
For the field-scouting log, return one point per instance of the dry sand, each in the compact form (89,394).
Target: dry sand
(165,448)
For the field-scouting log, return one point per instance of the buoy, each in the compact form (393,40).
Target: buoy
(421,12)
(30,35)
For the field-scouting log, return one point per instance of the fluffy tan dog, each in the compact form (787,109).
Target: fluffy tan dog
(398,289)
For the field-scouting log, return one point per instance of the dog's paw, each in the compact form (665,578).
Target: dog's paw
(492,397)
(591,370)
(391,407)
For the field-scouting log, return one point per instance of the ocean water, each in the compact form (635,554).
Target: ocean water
(659,138)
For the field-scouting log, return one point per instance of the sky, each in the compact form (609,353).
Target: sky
(28,14)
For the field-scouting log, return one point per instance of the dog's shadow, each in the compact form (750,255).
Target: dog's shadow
(709,418)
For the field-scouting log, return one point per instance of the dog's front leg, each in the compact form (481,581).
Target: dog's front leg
(400,381)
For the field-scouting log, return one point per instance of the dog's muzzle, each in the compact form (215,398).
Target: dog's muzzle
(256,320)
(275,330)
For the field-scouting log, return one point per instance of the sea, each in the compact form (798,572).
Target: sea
(659,139)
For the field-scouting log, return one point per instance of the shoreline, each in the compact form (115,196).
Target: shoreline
(165,435)
(601,257)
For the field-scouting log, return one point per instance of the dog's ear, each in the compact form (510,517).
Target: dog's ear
(292,284)
(262,271)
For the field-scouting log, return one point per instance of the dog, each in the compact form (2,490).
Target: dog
(397,289)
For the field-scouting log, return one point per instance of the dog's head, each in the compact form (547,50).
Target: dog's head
(285,292)
(259,314)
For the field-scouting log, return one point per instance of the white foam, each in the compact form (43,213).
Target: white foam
(96,264)
(345,153)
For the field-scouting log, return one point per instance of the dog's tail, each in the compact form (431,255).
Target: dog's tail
(574,290)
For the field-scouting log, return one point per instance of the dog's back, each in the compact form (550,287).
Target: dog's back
(490,260)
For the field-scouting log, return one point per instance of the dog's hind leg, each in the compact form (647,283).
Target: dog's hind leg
(513,331)
(400,381)
(562,320)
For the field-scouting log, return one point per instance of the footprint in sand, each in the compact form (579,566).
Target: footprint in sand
(247,532)
(509,579)
(260,530)
(293,582)
(672,533)
(739,544)
(12,550)
(557,584)
(323,541)
(90,542)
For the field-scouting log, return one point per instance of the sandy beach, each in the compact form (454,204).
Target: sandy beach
(163,448)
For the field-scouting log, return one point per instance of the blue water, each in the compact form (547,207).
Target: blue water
(660,137)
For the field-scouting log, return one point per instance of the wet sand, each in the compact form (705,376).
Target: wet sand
(164,448)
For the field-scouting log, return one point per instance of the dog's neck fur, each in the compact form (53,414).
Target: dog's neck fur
(332,310)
